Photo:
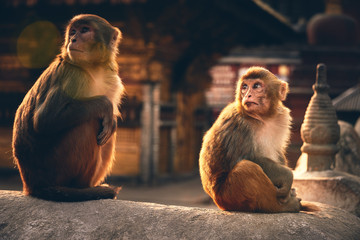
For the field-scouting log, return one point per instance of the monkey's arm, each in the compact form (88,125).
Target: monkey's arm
(280,175)
(59,112)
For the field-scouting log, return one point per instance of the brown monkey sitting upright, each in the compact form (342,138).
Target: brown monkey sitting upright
(64,130)
(242,157)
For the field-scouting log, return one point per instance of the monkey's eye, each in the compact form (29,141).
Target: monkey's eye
(244,88)
(72,32)
(84,30)
(257,86)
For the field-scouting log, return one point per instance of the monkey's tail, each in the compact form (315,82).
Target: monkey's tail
(309,207)
(67,194)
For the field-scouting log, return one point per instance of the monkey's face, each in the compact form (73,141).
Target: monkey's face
(81,46)
(253,97)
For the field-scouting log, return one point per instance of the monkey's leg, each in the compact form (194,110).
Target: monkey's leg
(247,188)
(107,155)
(96,162)
(77,156)
(75,162)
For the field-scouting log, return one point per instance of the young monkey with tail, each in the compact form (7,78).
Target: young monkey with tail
(64,129)
(242,160)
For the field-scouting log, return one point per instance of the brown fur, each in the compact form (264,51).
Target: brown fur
(64,130)
(242,156)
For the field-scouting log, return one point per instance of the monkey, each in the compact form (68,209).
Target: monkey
(242,158)
(64,129)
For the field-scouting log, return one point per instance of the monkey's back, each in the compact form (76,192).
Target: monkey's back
(226,143)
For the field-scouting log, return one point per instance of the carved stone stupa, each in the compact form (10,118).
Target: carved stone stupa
(320,130)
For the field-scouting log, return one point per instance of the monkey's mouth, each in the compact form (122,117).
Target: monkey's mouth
(75,50)
(248,104)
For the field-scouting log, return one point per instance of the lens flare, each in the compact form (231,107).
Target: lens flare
(38,44)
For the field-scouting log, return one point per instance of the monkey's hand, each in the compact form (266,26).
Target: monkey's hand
(291,194)
(108,128)
(283,184)
(108,121)
(282,190)
(280,176)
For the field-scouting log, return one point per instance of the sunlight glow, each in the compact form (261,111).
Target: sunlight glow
(38,44)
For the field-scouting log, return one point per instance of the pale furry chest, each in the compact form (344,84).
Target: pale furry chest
(109,86)
(271,140)
(98,87)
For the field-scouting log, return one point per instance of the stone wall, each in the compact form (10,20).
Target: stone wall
(29,218)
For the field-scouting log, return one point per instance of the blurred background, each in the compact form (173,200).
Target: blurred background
(179,61)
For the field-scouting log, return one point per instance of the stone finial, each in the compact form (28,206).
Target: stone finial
(320,130)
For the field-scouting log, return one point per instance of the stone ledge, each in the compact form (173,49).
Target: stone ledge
(335,188)
(29,218)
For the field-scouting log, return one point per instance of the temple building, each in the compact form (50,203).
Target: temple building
(179,61)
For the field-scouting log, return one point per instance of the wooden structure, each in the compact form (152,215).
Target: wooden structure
(296,63)
(167,50)
(164,60)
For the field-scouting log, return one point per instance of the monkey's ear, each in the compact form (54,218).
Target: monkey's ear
(283,90)
(116,36)
(115,39)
